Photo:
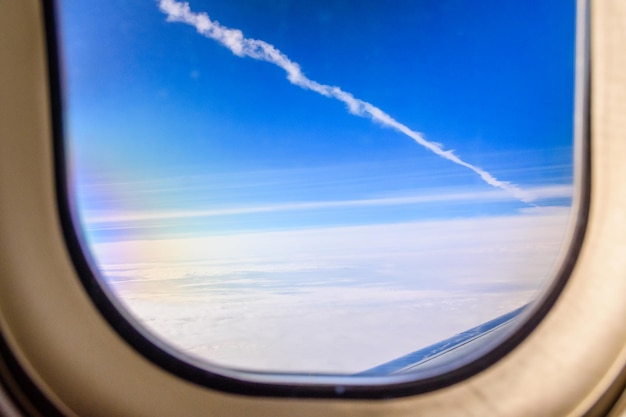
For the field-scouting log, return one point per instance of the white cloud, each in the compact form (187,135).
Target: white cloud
(337,299)
(341,330)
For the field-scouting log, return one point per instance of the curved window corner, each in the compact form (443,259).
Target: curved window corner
(323,199)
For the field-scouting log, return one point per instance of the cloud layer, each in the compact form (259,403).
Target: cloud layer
(322,300)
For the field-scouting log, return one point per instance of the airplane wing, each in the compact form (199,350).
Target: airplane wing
(448,349)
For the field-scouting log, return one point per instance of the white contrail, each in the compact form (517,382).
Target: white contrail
(234,40)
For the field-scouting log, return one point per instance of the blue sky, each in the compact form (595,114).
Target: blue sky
(214,178)
(151,101)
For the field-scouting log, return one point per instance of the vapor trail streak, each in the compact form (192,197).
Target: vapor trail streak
(234,40)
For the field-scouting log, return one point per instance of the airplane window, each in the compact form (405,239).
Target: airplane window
(329,188)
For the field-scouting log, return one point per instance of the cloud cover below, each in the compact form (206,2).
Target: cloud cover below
(337,299)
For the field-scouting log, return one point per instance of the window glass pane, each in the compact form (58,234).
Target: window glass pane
(326,186)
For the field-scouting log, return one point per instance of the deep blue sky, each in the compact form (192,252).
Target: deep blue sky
(162,118)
